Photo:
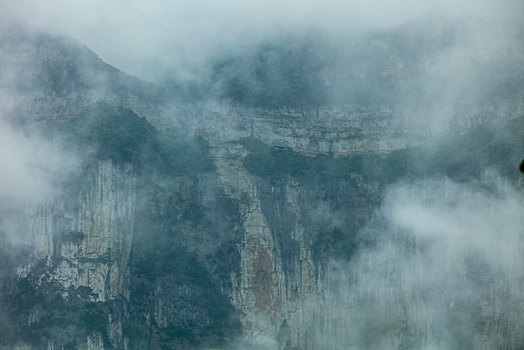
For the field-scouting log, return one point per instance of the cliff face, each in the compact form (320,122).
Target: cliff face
(79,249)
(86,240)
(276,269)
(340,130)
(209,223)
(256,242)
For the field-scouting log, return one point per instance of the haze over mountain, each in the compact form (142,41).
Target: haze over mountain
(285,175)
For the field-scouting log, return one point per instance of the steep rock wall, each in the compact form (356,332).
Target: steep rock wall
(289,232)
(86,239)
(79,252)
(273,277)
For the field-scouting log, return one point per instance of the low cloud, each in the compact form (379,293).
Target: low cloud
(445,274)
(149,39)
(31,165)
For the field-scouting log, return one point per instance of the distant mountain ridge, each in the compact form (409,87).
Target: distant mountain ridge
(55,77)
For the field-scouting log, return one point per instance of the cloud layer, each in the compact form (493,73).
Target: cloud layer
(150,38)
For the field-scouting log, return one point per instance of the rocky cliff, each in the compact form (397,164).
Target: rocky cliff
(215,225)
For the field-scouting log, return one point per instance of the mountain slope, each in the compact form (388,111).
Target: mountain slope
(196,224)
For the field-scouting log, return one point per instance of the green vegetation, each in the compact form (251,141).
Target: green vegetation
(115,133)
(187,286)
(173,153)
(71,236)
(58,318)
(93,318)
(121,135)
(460,157)
(178,331)
(167,261)
(275,75)
(464,157)
(337,180)
(276,163)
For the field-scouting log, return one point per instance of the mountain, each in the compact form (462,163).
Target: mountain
(224,222)
(56,77)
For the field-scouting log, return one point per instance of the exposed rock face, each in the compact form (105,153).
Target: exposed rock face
(281,272)
(87,242)
(352,129)
(81,242)
(140,256)
(289,284)
(276,267)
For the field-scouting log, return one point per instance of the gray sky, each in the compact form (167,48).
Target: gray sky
(147,38)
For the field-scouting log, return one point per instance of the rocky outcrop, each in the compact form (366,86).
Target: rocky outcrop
(85,239)
(285,245)
(275,276)
(329,130)
(80,246)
